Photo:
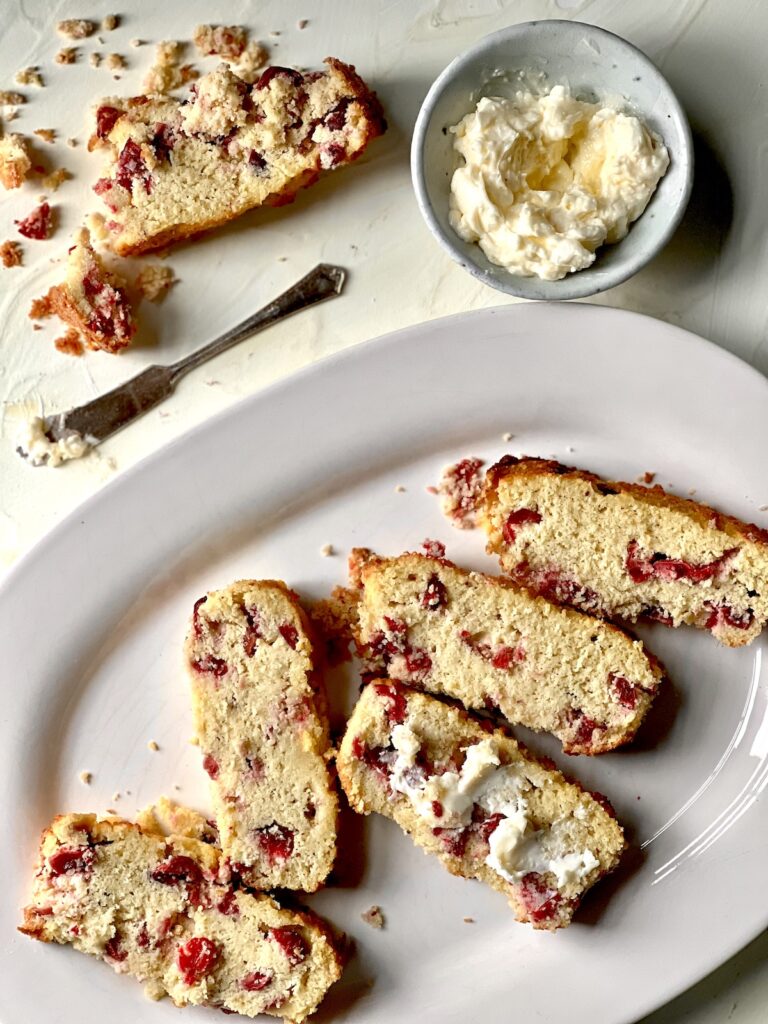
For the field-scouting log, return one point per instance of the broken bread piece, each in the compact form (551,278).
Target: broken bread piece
(475,799)
(494,646)
(625,551)
(15,161)
(260,717)
(165,910)
(92,299)
(178,168)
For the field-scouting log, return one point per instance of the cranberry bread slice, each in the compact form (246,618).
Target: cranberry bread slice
(93,300)
(478,801)
(260,719)
(491,644)
(178,168)
(164,909)
(626,551)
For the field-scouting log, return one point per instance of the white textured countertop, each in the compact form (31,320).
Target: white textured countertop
(710,279)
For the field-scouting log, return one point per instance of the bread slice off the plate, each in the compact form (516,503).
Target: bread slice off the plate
(478,801)
(260,717)
(626,551)
(176,168)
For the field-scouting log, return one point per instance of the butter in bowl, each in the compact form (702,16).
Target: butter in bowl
(552,160)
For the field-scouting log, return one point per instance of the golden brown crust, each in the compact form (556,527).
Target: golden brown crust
(703,515)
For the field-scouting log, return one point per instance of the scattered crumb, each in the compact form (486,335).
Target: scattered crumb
(154,280)
(127,792)
(94,60)
(251,61)
(275,33)
(469,920)
(461,487)
(10,254)
(37,327)
(225,41)
(67,55)
(76,28)
(281,259)
(646,478)
(38,224)
(399,489)
(431,489)
(136,42)
(176,786)
(165,74)
(302,23)
(326,550)
(11,99)
(55,178)
(763,508)
(29,76)
(46,134)
(153,745)
(433,548)
(110,22)
(195,741)
(570,448)
(115,62)
(691,492)
(70,343)
(116,795)
(40,308)
(97,225)
(86,778)
(507,436)
(72,143)
(373,916)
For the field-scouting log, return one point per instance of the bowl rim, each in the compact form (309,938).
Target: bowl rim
(573,286)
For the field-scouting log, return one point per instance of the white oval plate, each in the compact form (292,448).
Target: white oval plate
(93,620)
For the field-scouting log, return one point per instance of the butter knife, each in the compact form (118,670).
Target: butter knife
(104,416)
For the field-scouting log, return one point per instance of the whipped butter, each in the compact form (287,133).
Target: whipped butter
(35,444)
(547,179)
(516,848)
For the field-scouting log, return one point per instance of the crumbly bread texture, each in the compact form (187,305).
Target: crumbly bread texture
(260,717)
(15,161)
(93,300)
(493,645)
(167,910)
(478,801)
(626,551)
(178,168)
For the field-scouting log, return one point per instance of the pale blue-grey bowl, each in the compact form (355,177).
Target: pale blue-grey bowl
(595,64)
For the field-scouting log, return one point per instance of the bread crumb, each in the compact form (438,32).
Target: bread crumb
(153,745)
(76,28)
(40,308)
(154,990)
(195,741)
(136,42)
(72,143)
(302,23)
(469,920)
(116,795)
(154,280)
(46,134)
(507,436)
(251,61)
(11,99)
(127,792)
(86,778)
(691,492)
(67,55)
(29,76)
(373,917)
(10,254)
(433,548)
(97,225)
(94,60)
(399,489)
(55,178)
(461,487)
(225,41)
(646,478)
(110,22)
(176,786)
(70,343)
(15,161)
(165,74)
(115,62)
(326,550)
(570,448)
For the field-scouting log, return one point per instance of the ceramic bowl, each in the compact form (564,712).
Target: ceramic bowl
(595,64)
